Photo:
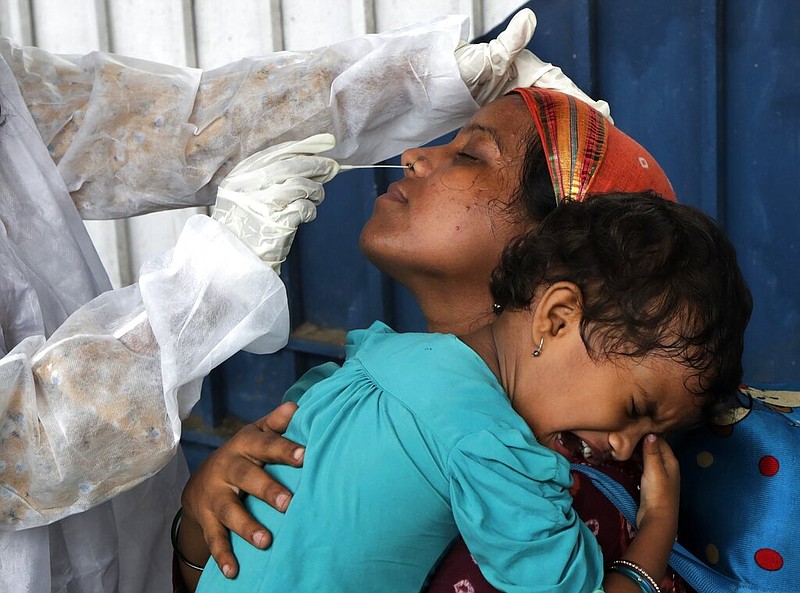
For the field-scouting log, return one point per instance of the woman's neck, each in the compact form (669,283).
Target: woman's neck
(483,343)
(458,311)
(505,345)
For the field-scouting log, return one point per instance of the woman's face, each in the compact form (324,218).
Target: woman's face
(447,217)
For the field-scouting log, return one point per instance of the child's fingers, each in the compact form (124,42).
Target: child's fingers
(652,456)
(660,464)
(660,456)
(660,485)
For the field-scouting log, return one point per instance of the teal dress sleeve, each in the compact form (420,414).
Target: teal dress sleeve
(308,380)
(511,503)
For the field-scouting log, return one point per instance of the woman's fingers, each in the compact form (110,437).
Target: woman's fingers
(262,441)
(234,517)
(278,419)
(217,539)
(213,493)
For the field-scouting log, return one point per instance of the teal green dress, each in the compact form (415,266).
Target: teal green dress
(411,441)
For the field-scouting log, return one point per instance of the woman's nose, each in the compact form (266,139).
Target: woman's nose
(417,160)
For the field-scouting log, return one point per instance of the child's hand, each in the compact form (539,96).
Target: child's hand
(660,487)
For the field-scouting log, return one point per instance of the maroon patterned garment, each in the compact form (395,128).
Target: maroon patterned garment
(458,572)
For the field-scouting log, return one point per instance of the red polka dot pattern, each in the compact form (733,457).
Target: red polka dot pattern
(769,559)
(768,466)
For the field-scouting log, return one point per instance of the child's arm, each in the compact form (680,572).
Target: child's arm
(657,519)
(511,502)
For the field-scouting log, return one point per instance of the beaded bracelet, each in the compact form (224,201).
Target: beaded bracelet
(635,572)
(176,524)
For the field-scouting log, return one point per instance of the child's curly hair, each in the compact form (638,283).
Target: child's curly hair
(655,278)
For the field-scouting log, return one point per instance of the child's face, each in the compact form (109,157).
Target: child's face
(602,409)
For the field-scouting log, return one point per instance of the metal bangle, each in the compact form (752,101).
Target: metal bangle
(636,573)
(176,524)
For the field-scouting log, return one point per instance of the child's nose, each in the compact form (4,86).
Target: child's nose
(623,443)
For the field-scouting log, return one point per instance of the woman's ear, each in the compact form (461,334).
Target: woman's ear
(558,310)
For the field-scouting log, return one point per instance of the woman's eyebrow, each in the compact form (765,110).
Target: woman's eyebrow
(489,131)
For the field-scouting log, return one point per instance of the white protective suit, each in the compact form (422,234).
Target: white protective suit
(91,395)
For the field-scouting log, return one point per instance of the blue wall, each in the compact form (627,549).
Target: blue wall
(710,88)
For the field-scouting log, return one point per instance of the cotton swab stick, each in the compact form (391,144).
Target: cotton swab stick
(350,167)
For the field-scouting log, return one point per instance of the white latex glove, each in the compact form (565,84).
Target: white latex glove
(492,69)
(266,196)
(486,68)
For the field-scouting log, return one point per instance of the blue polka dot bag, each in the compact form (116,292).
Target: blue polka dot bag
(740,498)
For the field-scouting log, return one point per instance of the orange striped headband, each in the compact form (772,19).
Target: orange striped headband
(588,154)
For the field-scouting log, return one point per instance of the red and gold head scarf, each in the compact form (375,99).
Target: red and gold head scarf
(588,154)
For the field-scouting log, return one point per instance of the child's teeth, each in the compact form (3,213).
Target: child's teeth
(586,449)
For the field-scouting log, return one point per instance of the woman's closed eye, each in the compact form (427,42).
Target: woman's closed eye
(465,156)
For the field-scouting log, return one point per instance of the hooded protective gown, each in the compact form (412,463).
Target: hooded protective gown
(93,388)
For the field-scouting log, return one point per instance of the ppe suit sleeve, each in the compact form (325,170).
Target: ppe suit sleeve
(96,408)
(131,136)
(511,503)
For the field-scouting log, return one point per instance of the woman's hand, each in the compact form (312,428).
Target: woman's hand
(212,496)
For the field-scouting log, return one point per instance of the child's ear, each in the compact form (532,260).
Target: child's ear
(558,310)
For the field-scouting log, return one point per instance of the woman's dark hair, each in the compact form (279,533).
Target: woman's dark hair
(535,197)
(655,277)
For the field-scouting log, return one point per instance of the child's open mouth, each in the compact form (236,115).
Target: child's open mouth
(575,448)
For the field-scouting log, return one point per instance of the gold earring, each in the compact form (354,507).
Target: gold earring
(538,350)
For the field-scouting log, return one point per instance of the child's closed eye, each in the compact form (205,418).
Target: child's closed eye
(635,413)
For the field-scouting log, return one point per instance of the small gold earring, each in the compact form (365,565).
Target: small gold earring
(538,350)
